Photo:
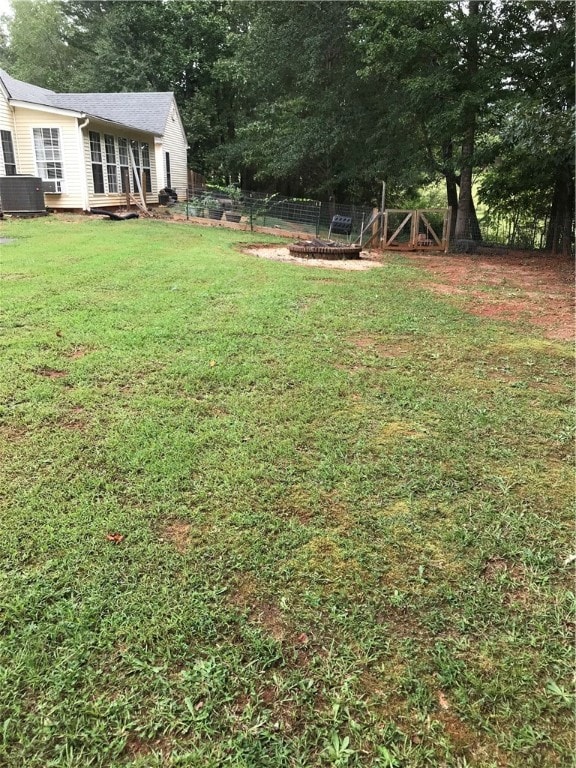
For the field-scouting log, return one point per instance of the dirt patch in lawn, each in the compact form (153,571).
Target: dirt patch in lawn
(280,253)
(376,346)
(517,285)
(51,373)
(261,613)
(77,352)
(177,532)
(137,747)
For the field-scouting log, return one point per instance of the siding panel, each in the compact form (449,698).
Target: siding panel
(26,120)
(175,143)
(7,124)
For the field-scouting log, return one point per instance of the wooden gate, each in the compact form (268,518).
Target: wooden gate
(416,229)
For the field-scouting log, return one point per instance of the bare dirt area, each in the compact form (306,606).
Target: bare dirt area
(278,253)
(517,285)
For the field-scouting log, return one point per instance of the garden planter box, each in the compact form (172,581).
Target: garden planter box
(215,213)
(235,217)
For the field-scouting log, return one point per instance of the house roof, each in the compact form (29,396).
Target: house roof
(21,91)
(146,111)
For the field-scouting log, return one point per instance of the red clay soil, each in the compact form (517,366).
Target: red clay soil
(517,285)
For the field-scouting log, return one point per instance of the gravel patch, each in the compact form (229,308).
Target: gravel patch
(276,253)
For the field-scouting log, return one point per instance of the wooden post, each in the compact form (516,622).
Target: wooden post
(137,177)
(375,223)
(385,230)
(447,227)
(414,228)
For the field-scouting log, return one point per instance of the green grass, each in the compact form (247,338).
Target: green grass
(345,507)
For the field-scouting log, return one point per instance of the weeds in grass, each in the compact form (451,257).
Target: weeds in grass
(338,523)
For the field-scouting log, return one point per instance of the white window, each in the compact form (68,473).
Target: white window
(48,153)
(111,169)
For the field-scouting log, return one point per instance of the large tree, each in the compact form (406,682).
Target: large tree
(36,50)
(440,73)
(531,170)
(304,110)
(328,99)
(181,45)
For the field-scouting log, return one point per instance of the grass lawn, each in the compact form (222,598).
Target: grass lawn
(255,514)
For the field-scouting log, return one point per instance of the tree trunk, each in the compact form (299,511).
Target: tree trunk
(451,184)
(560,228)
(551,232)
(474,223)
(568,228)
(466,221)
(467,227)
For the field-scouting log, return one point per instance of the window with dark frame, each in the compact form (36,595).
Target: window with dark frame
(97,166)
(8,153)
(124,161)
(111,168)
(145,154)
(168,171)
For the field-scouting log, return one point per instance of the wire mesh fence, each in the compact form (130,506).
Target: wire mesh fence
(514,231)
(301,216)
(313,218)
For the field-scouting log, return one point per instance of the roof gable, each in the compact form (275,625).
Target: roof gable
(146,111)
(21,91)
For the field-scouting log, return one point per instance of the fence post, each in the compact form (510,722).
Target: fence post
(375,223)
(318,209)
(447,226)
(414,228)
(385,230)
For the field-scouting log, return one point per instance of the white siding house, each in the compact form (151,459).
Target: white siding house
(90,149)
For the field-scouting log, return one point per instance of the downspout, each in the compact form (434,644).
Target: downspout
(85,198)
(15,139)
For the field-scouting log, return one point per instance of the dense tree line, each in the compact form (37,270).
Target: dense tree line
(329,98)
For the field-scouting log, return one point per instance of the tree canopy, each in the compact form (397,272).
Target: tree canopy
(328,99)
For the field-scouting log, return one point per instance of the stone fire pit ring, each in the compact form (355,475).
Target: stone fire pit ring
(321,249)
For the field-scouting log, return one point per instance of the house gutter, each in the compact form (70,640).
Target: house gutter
(15,137)
(85,198)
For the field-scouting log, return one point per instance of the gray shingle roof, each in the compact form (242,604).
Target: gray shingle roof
(24,91)
(146,111)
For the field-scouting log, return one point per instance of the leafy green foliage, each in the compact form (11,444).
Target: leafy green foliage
(329,99)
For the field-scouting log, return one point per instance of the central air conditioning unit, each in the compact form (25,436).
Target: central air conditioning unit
(22,196)
(53,187)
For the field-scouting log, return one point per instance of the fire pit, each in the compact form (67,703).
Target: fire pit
(324,249)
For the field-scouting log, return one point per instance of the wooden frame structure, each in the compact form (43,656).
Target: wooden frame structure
(422,234)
